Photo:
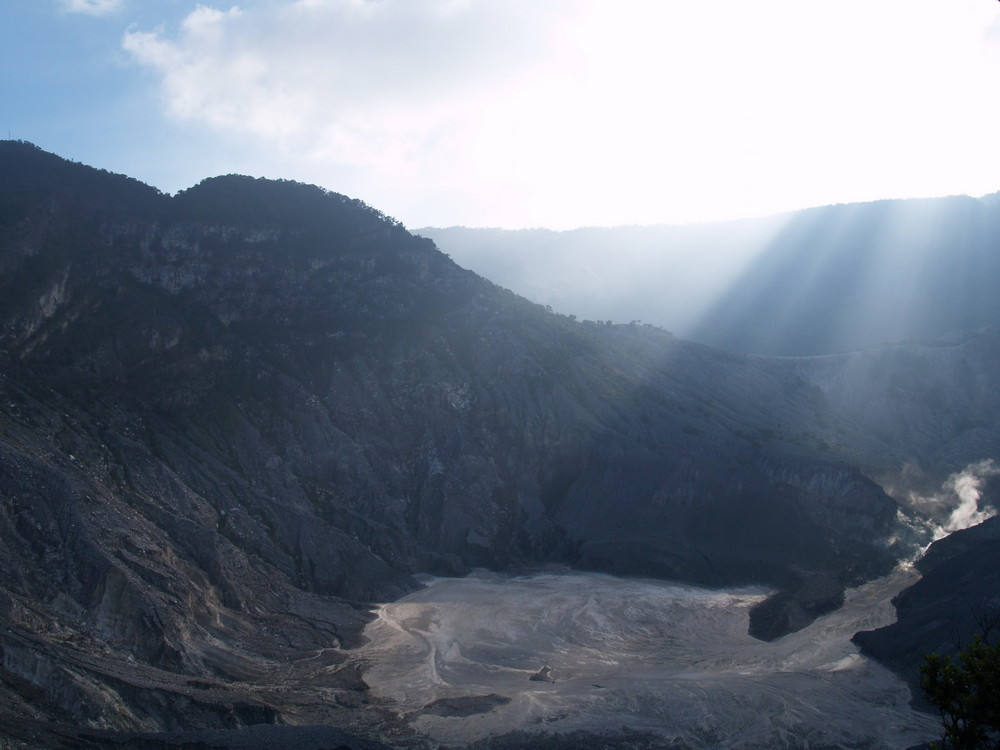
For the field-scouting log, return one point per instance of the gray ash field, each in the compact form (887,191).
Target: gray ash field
(458,660)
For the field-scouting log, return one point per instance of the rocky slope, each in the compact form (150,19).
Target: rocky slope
(229,416)
(954,601)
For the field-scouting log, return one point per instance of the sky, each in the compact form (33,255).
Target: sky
(521,113)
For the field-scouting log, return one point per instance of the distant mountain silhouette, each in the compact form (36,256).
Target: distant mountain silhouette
(818,281)
(853,276)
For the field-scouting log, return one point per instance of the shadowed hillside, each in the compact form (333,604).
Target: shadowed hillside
(230,418)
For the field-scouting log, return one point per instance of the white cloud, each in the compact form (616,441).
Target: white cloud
(306,67)
(571,112)
(91,7)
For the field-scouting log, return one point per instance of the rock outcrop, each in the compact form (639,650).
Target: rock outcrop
(229,416)
(955,601)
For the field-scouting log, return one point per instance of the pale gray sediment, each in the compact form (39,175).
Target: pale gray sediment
(652,656)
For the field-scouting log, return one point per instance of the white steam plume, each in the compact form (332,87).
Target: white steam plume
(967,487)
(955,506)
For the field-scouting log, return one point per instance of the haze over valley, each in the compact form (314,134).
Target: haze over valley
(823,280)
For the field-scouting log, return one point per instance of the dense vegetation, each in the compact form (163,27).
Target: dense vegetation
(966,691)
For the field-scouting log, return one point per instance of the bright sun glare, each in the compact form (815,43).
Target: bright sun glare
(570,113)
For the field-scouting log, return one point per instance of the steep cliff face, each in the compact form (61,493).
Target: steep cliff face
(226,415)
(955,601)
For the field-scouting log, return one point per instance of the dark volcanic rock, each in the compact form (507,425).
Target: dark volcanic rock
(795,607)
(543,675)
(468,705)
(227,416)
(959,591)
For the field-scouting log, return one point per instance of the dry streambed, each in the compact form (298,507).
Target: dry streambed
(466,658)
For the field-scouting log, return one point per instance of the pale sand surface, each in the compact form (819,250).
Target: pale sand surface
(649,655)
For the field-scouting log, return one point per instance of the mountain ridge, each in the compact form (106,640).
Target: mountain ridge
(221,436)
(816,281)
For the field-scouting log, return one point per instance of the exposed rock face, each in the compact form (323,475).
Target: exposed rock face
(226,415)
(957,595)
(796,607)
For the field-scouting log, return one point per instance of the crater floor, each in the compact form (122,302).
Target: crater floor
(486,655)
